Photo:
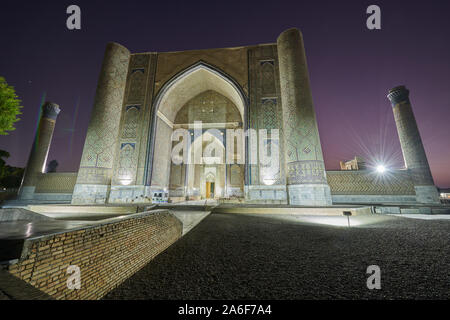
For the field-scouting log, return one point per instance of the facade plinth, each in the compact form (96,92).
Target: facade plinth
(309,194)
(427,194)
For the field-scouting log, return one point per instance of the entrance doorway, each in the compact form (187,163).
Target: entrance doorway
(209,190)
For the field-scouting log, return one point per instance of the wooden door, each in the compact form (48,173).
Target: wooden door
(208,190)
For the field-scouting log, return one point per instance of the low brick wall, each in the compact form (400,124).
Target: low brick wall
(107,254)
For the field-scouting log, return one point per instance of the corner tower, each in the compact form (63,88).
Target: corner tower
(94,176)
(306,177)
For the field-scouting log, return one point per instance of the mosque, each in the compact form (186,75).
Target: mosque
(245,102)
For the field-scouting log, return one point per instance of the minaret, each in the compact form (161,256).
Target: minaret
(412,148)
(305,168)
(39,150)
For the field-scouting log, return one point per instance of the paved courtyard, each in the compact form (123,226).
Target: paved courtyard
(233,256)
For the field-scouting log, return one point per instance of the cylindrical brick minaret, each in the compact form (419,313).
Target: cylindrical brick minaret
(94,176)
(412,148)
(305,168)
(39,150)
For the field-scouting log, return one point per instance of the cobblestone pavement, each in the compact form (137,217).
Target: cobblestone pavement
(232,256)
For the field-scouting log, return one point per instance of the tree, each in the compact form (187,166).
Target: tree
(3,154)
(10,177)
(9,107)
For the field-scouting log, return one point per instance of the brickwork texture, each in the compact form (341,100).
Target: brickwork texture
(107,254)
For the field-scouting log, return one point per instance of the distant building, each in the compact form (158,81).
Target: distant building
(444,195)
(357,163)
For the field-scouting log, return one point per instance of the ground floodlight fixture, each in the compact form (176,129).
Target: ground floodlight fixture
(347,214)
(380,168)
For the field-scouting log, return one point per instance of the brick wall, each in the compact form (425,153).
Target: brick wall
(365,182)
(56,182)
(107,254)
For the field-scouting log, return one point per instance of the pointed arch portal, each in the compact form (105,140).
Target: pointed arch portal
(175,93)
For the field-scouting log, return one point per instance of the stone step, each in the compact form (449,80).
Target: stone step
(78,212)
(268,209)
(82,209)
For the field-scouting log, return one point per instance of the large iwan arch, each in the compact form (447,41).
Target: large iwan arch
(189,83)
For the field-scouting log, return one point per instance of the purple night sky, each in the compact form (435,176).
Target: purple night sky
(351,68)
